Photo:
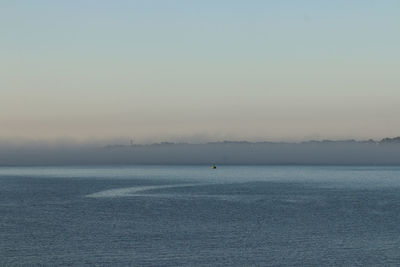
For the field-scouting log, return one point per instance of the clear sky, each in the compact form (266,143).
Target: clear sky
(199,70)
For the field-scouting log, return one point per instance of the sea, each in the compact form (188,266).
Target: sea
(197,216)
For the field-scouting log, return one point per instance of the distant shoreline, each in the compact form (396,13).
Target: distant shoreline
(367,153)
(387,140)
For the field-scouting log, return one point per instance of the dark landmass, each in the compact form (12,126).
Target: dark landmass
(326,152)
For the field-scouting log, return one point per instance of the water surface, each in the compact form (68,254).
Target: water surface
(196,216)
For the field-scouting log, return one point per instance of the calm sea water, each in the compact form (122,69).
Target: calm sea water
(196,216)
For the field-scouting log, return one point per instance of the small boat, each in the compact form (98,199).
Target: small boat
(213,166)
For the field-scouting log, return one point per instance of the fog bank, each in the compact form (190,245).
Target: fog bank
(384,152)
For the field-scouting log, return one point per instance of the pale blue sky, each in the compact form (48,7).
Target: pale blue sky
(199,70)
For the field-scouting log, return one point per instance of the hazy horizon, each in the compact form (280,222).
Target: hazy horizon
(185,71)
(125,141)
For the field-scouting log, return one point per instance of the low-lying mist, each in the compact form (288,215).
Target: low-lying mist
(384,152)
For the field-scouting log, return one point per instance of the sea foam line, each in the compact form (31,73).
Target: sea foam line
(131,191)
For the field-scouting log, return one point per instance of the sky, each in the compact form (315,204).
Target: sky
(197,71)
